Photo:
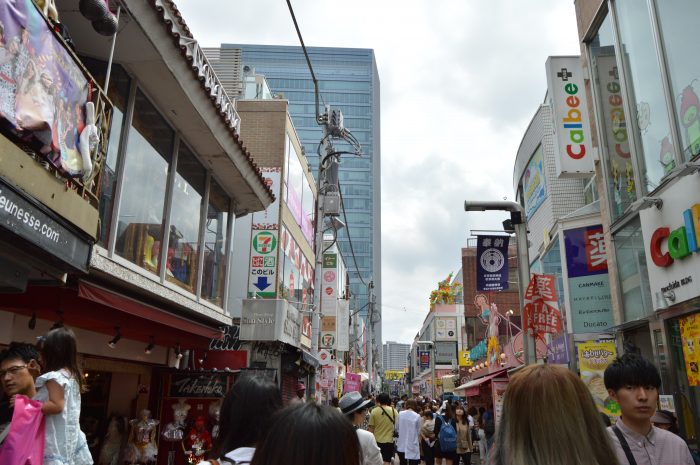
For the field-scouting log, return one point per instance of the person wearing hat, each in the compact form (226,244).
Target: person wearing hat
(355,408)
(665,419)
(299,399)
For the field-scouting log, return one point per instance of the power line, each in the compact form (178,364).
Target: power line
(308,60)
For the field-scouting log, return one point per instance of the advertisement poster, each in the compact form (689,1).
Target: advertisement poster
(353,382)
(269,218)
(44,90)
(424,357)
(541,305)
(559,350)
(492,263)
(594,358)
(343,326)
(690,336)
(499,390)
(534,190)
(589,286)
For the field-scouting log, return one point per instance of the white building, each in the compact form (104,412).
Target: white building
(395,356)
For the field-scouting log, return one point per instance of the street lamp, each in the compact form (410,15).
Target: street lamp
(518,220)
(432,365)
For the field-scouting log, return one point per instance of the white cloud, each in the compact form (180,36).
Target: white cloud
(460,81)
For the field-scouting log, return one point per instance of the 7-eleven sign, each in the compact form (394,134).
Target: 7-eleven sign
(264,242)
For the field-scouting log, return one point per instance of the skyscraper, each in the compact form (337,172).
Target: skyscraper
(396,355)
(349,80)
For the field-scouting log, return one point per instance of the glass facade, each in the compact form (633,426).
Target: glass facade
(632,271)
(168,199)
(347,80)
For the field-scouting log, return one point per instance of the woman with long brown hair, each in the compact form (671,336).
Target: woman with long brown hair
(549,418)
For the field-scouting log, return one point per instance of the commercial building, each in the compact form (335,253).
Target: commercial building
(644,94)
(349,80)
(395,355)
(129,242)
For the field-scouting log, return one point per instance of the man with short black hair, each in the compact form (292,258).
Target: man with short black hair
(382,423)
(634,383)
(19,367)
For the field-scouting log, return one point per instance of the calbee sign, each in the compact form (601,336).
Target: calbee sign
(672,239)
(570,114)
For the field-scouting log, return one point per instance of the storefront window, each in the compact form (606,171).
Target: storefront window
(645,93)
(683,340)
(215,245)
(613,121)
(551,264)
(678,20)
(148,155)
(183,244)
(632,271)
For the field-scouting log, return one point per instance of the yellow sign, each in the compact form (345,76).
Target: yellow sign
(594,358)
(464,360)
(339,388)
(394,375)
(690,335)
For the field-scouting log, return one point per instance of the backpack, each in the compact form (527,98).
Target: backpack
(447,436)
(474,434)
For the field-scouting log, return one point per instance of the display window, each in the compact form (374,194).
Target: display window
(656,154)
(215,244)
(632,271)
(684,347)
(678,21)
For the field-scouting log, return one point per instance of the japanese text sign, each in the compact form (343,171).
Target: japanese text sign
(492,263)
(541,307)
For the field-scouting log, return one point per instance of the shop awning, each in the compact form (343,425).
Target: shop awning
(472,387)
(134,307)
(309,358)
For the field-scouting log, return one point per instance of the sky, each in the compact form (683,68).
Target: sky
(460,82)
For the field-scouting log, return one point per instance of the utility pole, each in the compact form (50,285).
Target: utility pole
(370,334)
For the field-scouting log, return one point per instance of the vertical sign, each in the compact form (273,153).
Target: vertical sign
(492,263)
(424,357)
(541,305)
(570,114)
(328,332)
(263,264)
(594,358)
(587,274)
(690,335)
(329,285)
(342,326)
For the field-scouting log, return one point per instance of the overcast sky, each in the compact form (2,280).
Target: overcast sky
(460,82)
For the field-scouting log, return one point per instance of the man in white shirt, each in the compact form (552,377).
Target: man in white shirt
(299,399)
(408,426)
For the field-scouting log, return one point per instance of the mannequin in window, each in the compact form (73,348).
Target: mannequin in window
(143,438)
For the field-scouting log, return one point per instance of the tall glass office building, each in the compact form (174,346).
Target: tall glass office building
(348,79)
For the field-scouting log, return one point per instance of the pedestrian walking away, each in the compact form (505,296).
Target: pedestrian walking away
(354,407)
(408,443)
(382,423)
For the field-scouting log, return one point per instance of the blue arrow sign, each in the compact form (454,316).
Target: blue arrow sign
(262,283)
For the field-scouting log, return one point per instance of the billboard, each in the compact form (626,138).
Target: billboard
(492,263)
(534,188)
(567,95)
(587,276)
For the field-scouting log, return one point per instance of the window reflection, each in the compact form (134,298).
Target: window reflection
(632,271)
(614,122)
(183,244)
(215,245)
(646,95)
(678,21)
(139,233)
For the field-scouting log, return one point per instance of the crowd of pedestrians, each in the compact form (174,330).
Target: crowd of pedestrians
(548,417)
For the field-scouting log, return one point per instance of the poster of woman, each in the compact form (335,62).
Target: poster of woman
(43,91)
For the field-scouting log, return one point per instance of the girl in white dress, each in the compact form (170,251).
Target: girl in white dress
(59,389)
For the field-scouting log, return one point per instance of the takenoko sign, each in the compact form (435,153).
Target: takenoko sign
(570,116)
(672,240)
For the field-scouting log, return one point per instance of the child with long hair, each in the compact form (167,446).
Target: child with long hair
(59,389)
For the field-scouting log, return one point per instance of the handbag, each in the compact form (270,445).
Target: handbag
(25,441)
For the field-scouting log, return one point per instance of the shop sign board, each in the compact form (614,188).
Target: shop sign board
(541,305)
(587,275)
(198,385)
(492,263)
(263,264)
(353,382)
(424,357)
(270,320)
(570,114)
(394,375)
(342,326)
(559,350)
(464,360)
(328,332)
(325,357)
(329,284)
(29,221)
(594,357)
(690,335)
(445,353)
(672,237)
(446,329)
(268,219)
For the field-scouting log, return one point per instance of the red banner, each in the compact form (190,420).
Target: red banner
(541,305)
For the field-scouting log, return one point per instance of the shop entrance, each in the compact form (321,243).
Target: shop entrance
(684,348)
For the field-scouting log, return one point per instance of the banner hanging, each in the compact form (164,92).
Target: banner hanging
(492,263)
(541,306)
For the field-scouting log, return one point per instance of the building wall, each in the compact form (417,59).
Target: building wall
(263,125)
